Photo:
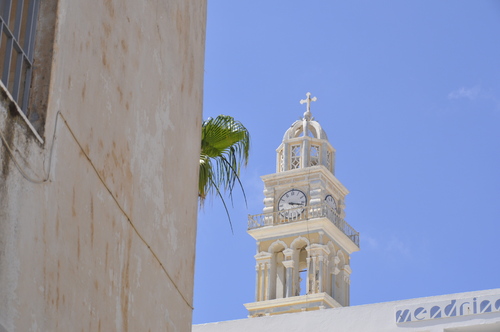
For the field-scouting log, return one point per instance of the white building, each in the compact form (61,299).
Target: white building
(303,256)
(464,312)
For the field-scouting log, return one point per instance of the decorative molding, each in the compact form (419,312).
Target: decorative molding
(275,244)
(298,239)
(288,264)
(262,256)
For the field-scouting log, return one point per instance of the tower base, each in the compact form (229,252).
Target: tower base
(291,304)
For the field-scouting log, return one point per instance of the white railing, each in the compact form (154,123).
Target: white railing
(304,213)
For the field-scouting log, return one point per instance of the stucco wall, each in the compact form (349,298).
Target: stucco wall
(107,244)
(380,317)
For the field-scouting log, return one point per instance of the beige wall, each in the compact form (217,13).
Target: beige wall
(108,243)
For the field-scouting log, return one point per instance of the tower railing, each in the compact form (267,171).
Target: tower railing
(303,213)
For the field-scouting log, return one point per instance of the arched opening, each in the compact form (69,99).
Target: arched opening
(299,256)
(312,131)
(277,275)
(280,275)
(303,271)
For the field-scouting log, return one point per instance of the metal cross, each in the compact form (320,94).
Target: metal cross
(308,101)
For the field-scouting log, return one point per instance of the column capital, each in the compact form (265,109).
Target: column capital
(347,279)
(263,257)
(288,264)
(318,250)
(288,253)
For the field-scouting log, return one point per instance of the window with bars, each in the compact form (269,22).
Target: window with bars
(17,32)
(314,155)
(295,157)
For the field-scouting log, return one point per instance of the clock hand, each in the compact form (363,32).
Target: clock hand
(292,203)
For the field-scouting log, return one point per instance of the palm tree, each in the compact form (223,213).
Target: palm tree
(225,143)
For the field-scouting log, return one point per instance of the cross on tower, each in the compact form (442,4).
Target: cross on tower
(308,100)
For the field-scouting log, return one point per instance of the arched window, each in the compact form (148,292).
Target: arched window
(299,246)
(280,277)
(302,271)
(277,275)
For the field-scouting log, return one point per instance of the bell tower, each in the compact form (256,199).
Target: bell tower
(303,242)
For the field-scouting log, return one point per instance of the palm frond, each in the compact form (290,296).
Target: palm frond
(225,145)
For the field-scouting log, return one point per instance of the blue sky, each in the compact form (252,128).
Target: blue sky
(409,94)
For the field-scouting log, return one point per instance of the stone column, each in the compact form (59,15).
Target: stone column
(323,156)
(306,153)
(289,265)
(286,156)
(257,277)
(308,281)
(318,252)
(333,271)
(333,162)
(347,281)
(315,192)
(262,284)
(279,152)
(321,273)
(268,203)
(314,274)
(263,281)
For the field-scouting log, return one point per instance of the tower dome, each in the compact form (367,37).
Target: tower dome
(305,144)
(305,127)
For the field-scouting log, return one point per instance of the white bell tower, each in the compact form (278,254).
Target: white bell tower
(303,242)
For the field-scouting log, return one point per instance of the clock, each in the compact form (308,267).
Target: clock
(330,201)
(292,203)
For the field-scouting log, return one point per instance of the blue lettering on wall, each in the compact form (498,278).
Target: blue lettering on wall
(418,311)
(451,309)
(485,306)
(462,312)
(448,309)
(403,316)
(435,312)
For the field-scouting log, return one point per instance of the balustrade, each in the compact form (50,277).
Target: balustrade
(304,213)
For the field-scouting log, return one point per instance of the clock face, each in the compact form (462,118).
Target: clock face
(330,201)
(292,203)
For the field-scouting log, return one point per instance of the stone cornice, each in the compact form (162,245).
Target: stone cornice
(294,173)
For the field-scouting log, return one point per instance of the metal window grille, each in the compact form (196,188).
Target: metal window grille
(314,155)
(295,157)
(17,32)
